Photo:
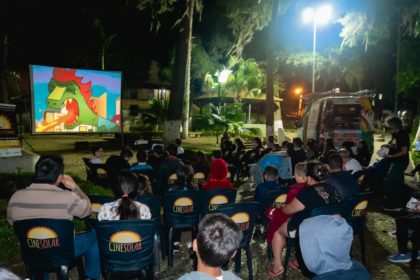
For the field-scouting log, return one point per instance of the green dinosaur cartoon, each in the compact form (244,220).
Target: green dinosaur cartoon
(75,104)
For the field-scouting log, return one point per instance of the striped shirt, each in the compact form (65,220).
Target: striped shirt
(46,201)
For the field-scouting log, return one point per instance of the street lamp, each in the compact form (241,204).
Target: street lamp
(322,15)
(299,91)
(223,76)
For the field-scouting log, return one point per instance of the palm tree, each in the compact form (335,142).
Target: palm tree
(106,40)
(157,113)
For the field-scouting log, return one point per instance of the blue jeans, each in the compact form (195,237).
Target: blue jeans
(87,244)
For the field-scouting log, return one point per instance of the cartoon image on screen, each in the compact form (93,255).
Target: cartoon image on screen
(76,101)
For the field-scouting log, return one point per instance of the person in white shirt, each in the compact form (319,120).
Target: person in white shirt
(350,164)
(178,142)
(97,154)
(122,208)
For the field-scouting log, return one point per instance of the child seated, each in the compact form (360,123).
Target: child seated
(217,240)
(141,162)
(271,174)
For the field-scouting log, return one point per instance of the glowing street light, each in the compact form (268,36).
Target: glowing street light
(320,16)
(299,91)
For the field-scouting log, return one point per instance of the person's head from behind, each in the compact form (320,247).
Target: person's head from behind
(127,189)
(200,159)
(329,143)
(284,144)
(184,178)
(126,154)
(97,152)
(178,142)
(270,139)
(315,172)
(172,150)
(271,173)
(345,155)
(239,142)
(347,145)
(145,188)
(298,142)
(335,163)
(362,146)
(257,144)
(300,172)
(158,151)
(394,124)
(216,154)
(49,170)
(217,240)
(290,146)
(226,144)
(141,156)
(276,148)
(310,146)
(326,242)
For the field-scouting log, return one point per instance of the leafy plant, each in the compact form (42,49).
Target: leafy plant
(156,115)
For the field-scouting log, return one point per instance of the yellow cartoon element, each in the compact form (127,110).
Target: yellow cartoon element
(41,233)
(5,123)
(219,199)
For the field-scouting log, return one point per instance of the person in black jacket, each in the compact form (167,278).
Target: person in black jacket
(363,154)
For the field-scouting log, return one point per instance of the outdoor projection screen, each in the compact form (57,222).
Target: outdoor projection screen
(75,100)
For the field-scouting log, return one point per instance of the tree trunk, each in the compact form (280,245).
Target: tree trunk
(186,106)
(398,64)
(4,97)
(103,56)
(270,71)
(176,100)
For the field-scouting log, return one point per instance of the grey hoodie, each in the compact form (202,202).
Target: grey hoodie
(325,242)
(196,275)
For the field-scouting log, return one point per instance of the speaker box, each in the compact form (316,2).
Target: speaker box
(134,110)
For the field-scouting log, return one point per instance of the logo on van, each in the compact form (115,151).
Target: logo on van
(42,238)
(183,205)
(242,219)
(95,210)
(216,201)
(280,200)
(360,209)
(172,179)
(124,242)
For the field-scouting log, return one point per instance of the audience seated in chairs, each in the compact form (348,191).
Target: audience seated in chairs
(141,161)
(145,187)
(350,164)
(271,174)
(227,151)
(216,154)
(126,207)
(257,147)
(178,142)
(97,154)
(171,162)
(342,180)
(403,225)
(278,217)
(325,243)
(239,146)
(184,182)
(157,158)
(276,148)
(348,146)
(311,151)
(270,142)
(217,241)
(200,165)
(49,197)
(114,164)
(218,172)
(317,194)
(363,155)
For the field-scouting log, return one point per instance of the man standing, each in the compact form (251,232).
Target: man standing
(342,180)
(398,153)
(49,197)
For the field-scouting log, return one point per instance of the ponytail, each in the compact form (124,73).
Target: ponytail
(128,185)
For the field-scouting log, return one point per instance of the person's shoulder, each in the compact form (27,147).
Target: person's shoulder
(228,275)
(197,275)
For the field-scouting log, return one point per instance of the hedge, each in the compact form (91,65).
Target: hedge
(12,182)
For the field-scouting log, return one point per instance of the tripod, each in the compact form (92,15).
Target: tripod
(21,139)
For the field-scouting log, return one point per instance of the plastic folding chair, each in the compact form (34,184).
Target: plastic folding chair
(96,202)
(211,199)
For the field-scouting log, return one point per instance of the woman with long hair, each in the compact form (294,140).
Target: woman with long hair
(328,147)
(317,194)
(348,146)
(125,207)
(145,188)
(363,154)
(184,179)
(200,165)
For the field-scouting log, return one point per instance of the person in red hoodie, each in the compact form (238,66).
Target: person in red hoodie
(218,172)
(275,215)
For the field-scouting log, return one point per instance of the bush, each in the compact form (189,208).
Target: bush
(8,241)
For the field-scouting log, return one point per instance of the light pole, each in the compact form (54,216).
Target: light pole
(299,91)
(322,15)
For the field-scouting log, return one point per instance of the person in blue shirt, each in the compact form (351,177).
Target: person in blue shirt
(271,174)
(141,161)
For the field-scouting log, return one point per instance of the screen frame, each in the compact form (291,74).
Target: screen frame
(33,124)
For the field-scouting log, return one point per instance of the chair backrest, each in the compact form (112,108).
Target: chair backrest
(244,214)
(231,173)
(89,171)
(45,243)
(201,175)
(182,208)
(168,178)
(148,173)
(240,156)
(126,245)
(100,174)
(355,207)
(333,210)
(153,202)
(359,176)
(96,202)
(276,197)
(211,199)
(251,157)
